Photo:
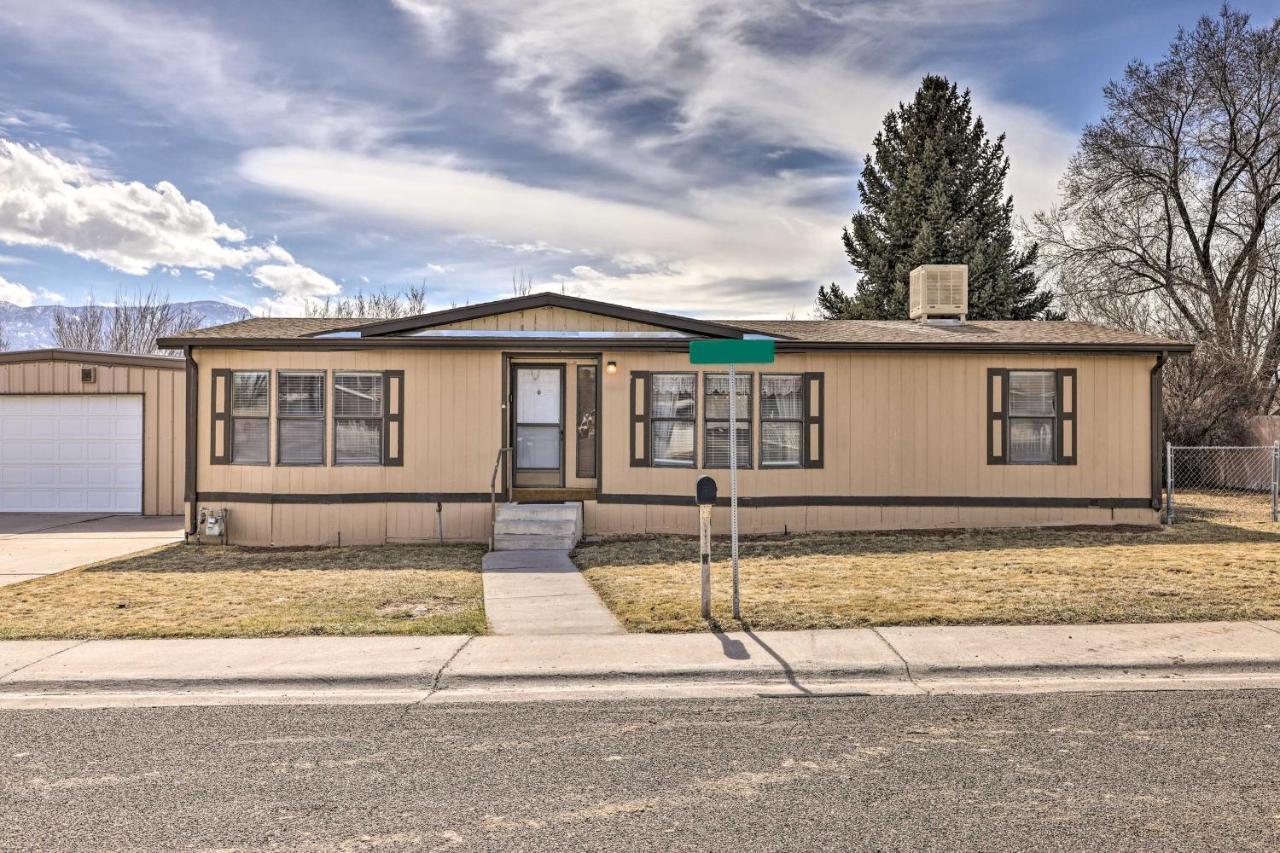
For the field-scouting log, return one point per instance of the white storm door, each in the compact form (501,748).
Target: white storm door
(539,426)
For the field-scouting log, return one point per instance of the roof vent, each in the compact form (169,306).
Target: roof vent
(939,290)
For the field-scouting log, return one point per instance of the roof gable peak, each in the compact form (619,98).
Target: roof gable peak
(546,299)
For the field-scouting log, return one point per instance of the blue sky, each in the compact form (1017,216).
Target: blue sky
(686,155)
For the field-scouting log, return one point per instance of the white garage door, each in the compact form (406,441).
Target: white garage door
(71,453)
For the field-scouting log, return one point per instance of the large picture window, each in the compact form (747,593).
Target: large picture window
(250,417)
(358,410)
(1032,417)
(781,420)
(300,418)
(673,416)
(715,415)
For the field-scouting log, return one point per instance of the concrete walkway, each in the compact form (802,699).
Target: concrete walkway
(901,660)
(539,593)
(34,544)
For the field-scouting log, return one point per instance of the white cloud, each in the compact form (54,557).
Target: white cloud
(23,296)
(133,228)
(16,294)
(782,74)
(294,286)
(712,59)
(435,21)
(676,258)
(207,275)
(189,71)
(47,201)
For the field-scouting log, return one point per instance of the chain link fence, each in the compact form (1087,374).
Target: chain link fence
(1224,483)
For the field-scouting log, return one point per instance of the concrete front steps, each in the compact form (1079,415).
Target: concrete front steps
(537,527)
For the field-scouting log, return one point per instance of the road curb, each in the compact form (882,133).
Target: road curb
(507,681)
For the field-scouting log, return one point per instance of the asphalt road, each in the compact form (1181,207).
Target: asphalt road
(1130,771)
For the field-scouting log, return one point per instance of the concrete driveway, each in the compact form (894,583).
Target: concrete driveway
(33,544)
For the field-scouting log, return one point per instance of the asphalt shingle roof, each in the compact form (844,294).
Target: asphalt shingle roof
(894,333)
(974,332)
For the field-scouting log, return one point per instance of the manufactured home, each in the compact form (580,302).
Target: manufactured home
(314,431)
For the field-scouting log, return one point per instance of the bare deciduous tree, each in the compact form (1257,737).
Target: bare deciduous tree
(374,306)
(521,283)
(1168,220)
(4,341)
(131,325)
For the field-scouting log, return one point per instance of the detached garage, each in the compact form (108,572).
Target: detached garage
(91,432)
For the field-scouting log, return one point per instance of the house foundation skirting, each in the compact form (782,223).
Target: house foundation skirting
(282,523)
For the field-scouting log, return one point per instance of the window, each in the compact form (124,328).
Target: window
(250,417)
(300,418)
(1032,417)
(673,415)
(715,396)
(357,418)
(781,420)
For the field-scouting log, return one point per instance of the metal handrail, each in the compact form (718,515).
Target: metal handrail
(493,494)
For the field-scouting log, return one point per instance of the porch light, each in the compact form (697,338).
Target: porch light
(611,368)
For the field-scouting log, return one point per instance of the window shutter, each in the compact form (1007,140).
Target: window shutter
(393,417)
(640,419)
(814,420)
(586,429)
(997,412)
(1066,432)
(220,435)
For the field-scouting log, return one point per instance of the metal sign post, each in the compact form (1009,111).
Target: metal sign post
(706,497)
(733,484)
(732,352)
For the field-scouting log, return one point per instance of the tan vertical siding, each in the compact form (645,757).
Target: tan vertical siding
(896,425)
(163,415)
(452,431)
(913,424)
(552,319)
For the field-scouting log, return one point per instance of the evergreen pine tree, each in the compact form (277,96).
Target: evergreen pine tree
(934,194)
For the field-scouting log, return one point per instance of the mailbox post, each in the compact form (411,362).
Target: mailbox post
(706,498)
(732,352)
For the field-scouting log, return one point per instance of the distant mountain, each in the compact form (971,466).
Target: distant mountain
(32,328)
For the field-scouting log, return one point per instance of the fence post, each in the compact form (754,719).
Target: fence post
(1168,478)
(1275,481)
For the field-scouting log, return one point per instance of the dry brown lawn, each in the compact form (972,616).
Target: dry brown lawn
(1211,565)
(212,591)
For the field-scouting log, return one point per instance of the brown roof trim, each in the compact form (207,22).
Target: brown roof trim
(1005,346)
(664,345)
(86,357)
(556,300)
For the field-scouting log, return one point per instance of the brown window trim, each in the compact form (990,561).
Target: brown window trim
(653,462)
(323,417)
(232,417)
(381,418)
(802,422)
(1004,417)
(750,419)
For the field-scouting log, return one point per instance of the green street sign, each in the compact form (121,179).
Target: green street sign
(731,351)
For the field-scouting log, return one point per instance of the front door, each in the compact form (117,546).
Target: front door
(538,425)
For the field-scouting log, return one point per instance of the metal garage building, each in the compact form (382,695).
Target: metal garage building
(91,432)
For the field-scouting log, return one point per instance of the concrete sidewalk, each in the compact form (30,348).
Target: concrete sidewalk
(540,593)
(914,658)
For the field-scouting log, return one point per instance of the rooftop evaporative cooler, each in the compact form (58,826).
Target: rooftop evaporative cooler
(939,290)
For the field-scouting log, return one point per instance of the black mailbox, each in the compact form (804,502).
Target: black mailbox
(706,491)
